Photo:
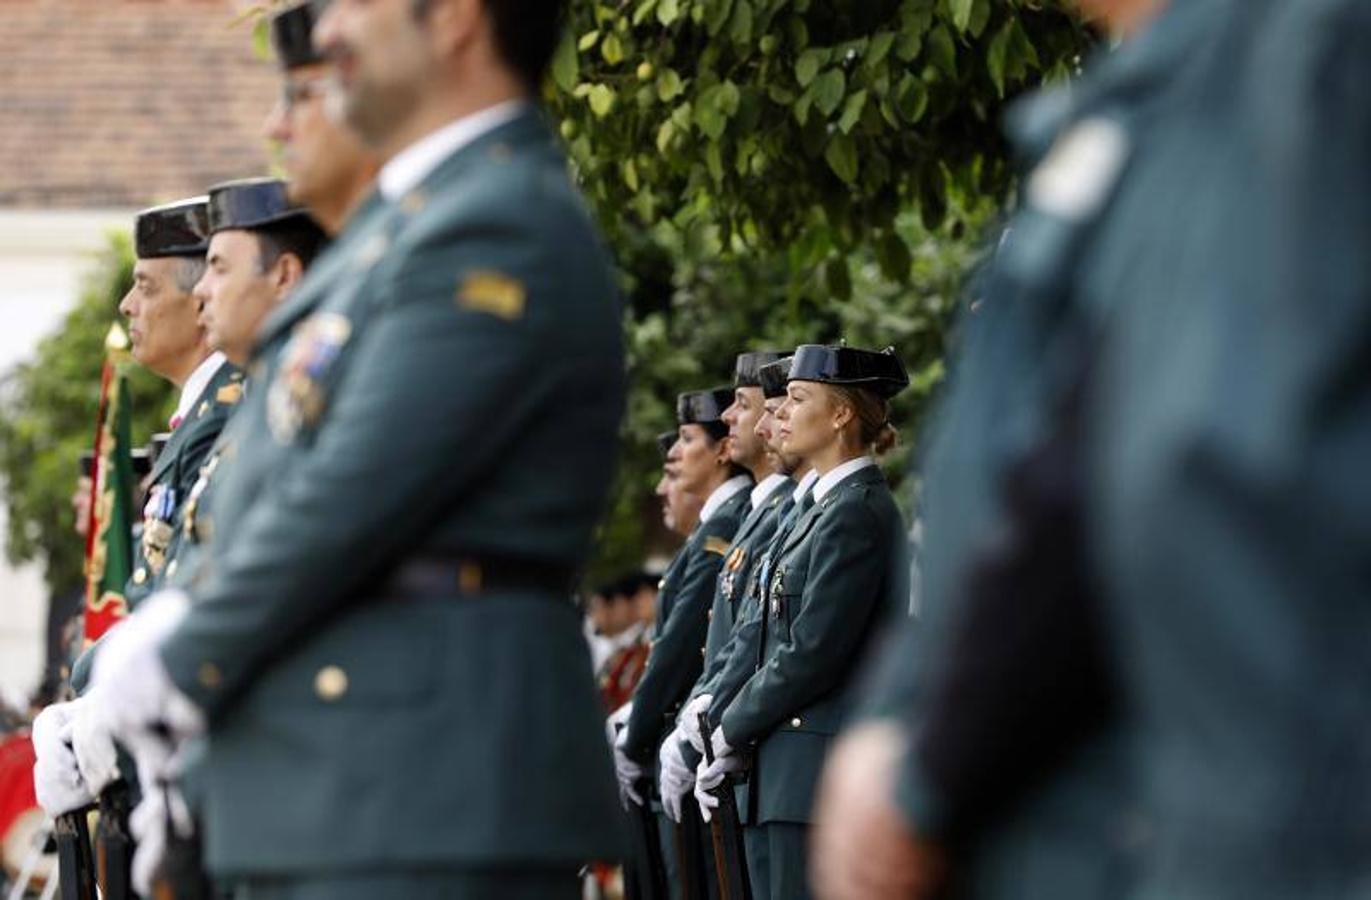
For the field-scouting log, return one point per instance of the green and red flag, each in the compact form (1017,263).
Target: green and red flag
(109,539)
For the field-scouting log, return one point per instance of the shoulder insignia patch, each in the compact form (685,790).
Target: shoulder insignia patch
(492,292)
(716,545)
(229,393)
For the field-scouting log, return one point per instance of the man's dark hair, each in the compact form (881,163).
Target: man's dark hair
(299,236)
(526,32)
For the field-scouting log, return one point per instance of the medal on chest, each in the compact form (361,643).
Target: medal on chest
(775,590)
(157,530)
(729,580)
(296,398)
(189,518)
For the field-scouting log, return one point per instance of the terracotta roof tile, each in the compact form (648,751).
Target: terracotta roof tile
(124,103)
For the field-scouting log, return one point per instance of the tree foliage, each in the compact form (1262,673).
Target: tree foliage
(771,172)
(767,172)
(47,419)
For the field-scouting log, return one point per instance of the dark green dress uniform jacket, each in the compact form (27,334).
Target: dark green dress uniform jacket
(177,468)
(736,584)
(838,577)
(682,619)
(1230,428)
(448,345)
(1220,247)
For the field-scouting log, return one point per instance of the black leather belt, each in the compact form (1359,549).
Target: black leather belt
(477,576)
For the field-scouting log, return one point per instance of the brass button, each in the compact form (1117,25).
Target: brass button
(661,583)
(171,568)
(795,722)
(331,683)
(140,575)
(204,408)
(709,615)
(209,676)
(702,651)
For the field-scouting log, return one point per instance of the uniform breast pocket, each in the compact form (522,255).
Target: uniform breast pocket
(302,384)
(784,591)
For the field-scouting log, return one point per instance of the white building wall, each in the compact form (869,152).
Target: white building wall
(43,259)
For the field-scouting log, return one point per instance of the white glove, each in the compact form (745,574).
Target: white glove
(719,744)
(674,777)
(617,719)
(162,804)
(628,772)
(689,722)
(708,777)
(93,744)
(56,776)
(130,687)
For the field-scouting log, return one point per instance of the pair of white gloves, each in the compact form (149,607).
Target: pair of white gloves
(675,779)
(131,700)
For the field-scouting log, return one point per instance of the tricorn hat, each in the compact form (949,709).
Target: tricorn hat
(665,441)
(703,407)
(773,376)
(746,371)
(882,373)
(173,229)
(292,32)
(251,203)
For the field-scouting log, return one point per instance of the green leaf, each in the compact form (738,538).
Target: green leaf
(828,90)
(852,111)
(588,40)
(741,27)
(961,13)
(566,65)
(729,97)
(942,53)
(630,175)
(612,50)
(714,161)
(802,106)
(996,55)
(643,11)
(841,156)
(879,48)
(909,43)
(717,16)
(668,11)
(980,17)
(911,98)
(807,66)
(664,136)
(668,85)
(893,256)
(601,100)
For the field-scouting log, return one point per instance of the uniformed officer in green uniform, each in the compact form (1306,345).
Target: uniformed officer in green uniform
(385,657)
(1191,413)
(329,170)
(703,466)
(260,245)
(748,450)
(839,575)
(170,242)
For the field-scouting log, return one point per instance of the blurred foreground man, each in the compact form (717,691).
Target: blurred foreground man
(1154,678)
(396,694)
(330,170)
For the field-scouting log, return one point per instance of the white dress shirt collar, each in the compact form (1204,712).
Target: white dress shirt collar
(412,165)
(805,484)
(196,383)
(722,494)
(766,487)
(838,473)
